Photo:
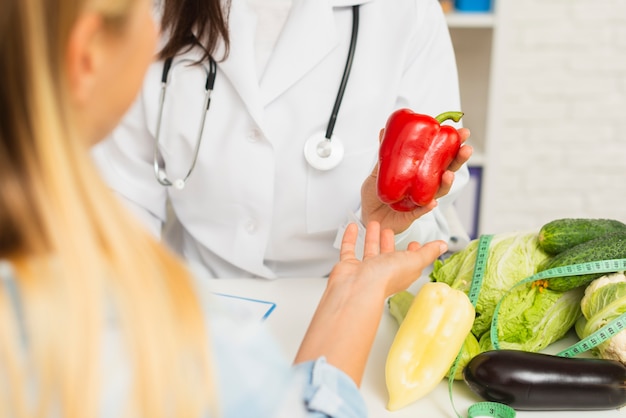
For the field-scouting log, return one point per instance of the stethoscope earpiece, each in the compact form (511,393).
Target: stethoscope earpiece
(323,153)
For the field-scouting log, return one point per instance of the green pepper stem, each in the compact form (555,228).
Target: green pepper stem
(455,116)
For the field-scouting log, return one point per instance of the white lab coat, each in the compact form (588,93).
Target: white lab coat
(252,206)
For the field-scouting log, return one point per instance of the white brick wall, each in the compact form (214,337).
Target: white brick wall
(557,120)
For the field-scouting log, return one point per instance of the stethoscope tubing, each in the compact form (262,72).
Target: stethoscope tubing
(159,165)
(159,171)
(346,73)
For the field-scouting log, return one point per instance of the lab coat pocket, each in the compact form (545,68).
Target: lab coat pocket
(334,193)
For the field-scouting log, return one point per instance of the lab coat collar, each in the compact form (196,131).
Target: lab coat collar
(240,68)
(308,36)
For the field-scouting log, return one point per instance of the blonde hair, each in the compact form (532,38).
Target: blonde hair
(77,255)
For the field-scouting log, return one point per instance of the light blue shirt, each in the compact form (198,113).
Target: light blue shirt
(254,378)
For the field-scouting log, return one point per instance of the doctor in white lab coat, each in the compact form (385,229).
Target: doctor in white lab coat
(253,206)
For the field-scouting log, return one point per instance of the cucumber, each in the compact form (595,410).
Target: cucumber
(559,235)
(606,247)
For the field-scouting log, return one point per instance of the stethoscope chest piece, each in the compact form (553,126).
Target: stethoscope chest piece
(323,153)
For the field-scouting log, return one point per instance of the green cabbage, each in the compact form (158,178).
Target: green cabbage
(530,317)
(469,350)
(604,300)
(512,258)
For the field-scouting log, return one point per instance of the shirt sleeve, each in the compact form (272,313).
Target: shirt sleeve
(256,378)
(329,392)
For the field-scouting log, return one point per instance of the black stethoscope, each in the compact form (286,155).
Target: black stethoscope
(321,151)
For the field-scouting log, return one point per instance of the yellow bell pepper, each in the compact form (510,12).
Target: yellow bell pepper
(427,342)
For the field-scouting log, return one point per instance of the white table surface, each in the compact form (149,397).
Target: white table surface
(296,300)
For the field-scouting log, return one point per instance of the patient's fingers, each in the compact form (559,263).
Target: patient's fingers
(348,242)
(372,240)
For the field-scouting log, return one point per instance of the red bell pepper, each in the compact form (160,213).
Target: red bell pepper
(414,153)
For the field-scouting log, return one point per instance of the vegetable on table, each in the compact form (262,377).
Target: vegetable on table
(427,342)
(560,234)
(535,381)
(604,301)
(399,304)
(531,317)
(469,350)
(414,153)
(605,247)
(512,257)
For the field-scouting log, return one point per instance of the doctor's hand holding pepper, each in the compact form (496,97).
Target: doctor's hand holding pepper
(419,164)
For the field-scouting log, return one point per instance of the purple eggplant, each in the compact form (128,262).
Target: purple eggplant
(536,381)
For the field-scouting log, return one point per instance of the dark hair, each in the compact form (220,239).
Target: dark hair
(188,23)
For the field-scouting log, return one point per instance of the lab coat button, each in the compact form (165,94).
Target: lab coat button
(251,226)
(254,135)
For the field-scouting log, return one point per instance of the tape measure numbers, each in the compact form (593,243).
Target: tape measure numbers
(599,336)
(603,334)
(482,256)
(490,409)
(480,409)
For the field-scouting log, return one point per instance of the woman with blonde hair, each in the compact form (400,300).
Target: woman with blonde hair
(96,318)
